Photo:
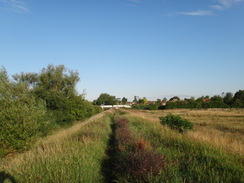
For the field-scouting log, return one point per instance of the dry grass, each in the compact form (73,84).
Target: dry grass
(50,145)
(223,128)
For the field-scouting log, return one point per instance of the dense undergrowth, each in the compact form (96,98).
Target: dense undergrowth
(34,104)
(75,157)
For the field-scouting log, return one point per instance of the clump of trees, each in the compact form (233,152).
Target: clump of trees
(226,101)
(33,104)
(106,99)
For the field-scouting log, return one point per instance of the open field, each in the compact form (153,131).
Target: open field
(222,128)
(99,151)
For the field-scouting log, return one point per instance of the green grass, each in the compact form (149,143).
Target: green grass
(189,160)
(212,152)
(77,158)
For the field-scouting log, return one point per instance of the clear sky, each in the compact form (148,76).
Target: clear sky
(127,48)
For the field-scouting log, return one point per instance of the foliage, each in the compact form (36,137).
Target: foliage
(177,122)
(22,117)
(158,102)
(143,101)
(174,99)
(33,104)
(78,157)
(239,95)
(124,100)
(216,98)
(146,107)
(228,98)
(105,99)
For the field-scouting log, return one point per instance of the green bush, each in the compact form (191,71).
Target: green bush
(23,118)
(176,122)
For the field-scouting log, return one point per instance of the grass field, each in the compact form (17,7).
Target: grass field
(221,128)
(71,155)
(87,152)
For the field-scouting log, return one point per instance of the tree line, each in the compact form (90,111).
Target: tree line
(34,104)
(227,100)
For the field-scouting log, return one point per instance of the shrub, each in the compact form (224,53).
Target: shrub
(177,122)
(22,117)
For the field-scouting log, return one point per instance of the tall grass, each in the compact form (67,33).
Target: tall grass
(73,155)
(189,160)
(223,128)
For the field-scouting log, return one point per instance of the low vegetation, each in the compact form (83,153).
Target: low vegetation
(176,122)
(71,155)
(33,105)
(135,160)
(189,160)
(133,146)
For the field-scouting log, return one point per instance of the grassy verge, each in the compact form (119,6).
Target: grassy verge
(188,160)
(222,128)
(75,156)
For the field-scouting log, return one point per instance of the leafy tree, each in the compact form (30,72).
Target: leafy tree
(238,103)
(56,86)
(190,100)
(124,100)
(31,79)
(106,99)
(159,102)
(239,95)
(143,101)
(136,99)
(174,99)
(59,79)
(228,98)
(23,118)
(164,99)
(216,98)
(200,99)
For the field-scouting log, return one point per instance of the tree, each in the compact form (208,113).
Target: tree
(238,103)
(31,79)
(239,95)
(106,99)
(216,98)
(228,98)
(136,99)
(124,100)
(159,102)
(23,118)
(174,99)
(143,101)
(59,79)
(190,100)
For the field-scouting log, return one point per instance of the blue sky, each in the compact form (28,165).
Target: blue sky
(127,48)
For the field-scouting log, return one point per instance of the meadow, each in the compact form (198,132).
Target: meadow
(127,145)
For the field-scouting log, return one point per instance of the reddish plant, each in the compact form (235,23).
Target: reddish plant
(135,159)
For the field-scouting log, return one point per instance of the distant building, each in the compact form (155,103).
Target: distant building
(206,100)
(115,106)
